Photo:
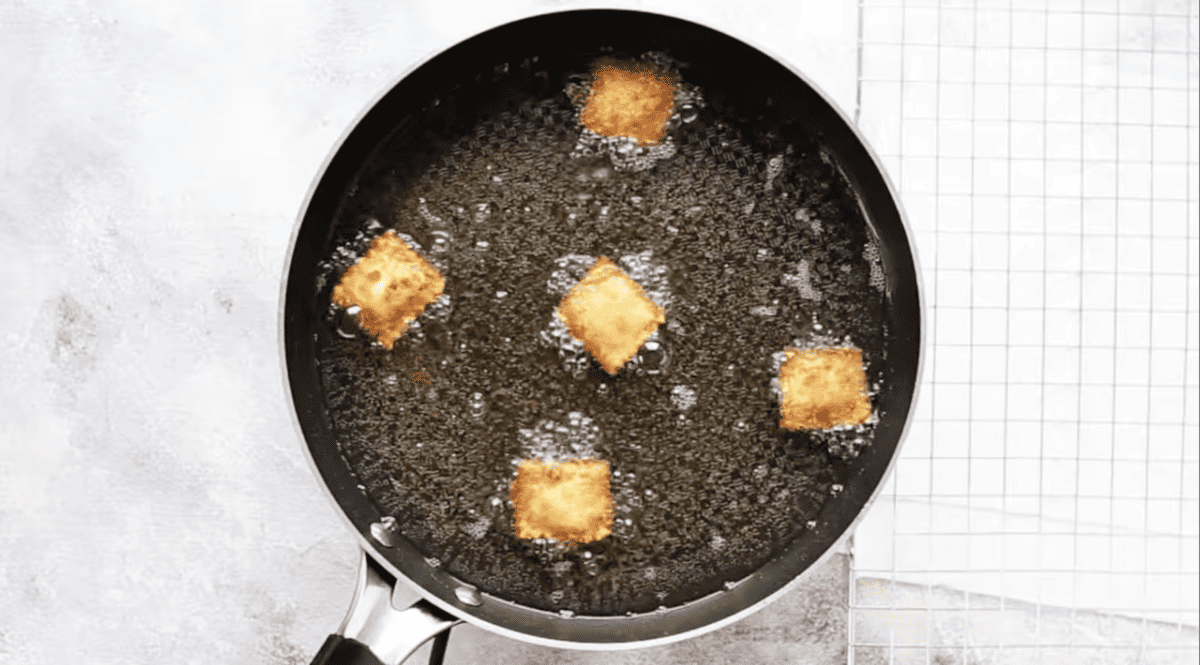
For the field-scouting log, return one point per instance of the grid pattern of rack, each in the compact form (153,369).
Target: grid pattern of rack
(1045,506)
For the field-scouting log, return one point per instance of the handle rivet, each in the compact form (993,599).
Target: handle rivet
(468,595)
(384,531)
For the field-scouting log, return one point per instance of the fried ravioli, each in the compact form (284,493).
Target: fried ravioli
(823,388)
(610,314)
(630,100)
(392,284)
(565,501)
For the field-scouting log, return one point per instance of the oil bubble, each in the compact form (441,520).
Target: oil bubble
(683,397)
(441,241)
(347,325)
(653,357)
(477,406)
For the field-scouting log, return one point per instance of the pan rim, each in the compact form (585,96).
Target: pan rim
(840,543)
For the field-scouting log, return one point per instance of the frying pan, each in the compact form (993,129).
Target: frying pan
(474,78)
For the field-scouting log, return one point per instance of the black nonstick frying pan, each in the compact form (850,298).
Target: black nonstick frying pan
(409,128)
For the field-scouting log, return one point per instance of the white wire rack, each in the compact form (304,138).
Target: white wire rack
(1045,506)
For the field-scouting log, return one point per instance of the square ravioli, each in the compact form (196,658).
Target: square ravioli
(565,501)
(823,388)
(630,100)
(610,314)
(392,284)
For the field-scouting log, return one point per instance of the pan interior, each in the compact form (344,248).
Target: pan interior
(752,246)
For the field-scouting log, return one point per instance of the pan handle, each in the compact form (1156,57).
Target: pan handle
(374,632)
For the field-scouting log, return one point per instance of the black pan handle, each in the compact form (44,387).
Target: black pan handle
(339,650)
(376,633)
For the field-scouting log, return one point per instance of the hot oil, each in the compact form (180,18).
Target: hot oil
(705,485)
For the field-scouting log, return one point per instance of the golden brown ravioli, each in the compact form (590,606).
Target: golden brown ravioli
(608,312)
(392,284)
(566,501)
(823,388)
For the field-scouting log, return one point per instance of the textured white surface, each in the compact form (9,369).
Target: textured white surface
(1046,153)
(1047,157)
(155,505)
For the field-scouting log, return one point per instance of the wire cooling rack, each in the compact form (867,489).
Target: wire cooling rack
(1044,508)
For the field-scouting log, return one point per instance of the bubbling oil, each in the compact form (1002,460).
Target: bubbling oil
(705,485)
